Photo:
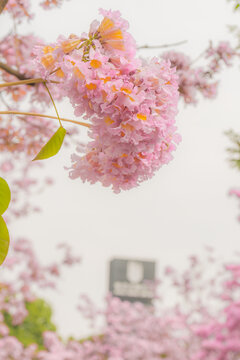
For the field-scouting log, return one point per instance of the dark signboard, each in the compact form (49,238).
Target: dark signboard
(131,280)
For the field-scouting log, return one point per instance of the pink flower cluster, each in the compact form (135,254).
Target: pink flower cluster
(132,332)
(50,4)
(17,52)
(223,53)
(191,80)
(23,136)
(27,135)
(11,348)
(131,104)
(30,275)
(220,336)
(200,79)
(18,9)
(203,323)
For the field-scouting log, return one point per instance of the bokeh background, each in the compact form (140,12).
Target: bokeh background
(185,207)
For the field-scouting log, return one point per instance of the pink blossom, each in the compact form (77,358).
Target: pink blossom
(19,9)
(131,104)
(221,53)
(191,79)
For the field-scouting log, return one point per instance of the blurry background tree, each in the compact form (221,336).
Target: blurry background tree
(38,320)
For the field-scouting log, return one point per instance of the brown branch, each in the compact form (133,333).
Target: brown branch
(22,78)
(161,46)
(3,3)
(13,72)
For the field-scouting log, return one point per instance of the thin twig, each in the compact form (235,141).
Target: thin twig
(161,46)
(20,76)
(54,71)
(4,102)
(22,82)
(26,82)
(44,116)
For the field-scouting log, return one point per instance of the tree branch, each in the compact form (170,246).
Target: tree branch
(24,82)
(13,72)
(161,46)
(3,3)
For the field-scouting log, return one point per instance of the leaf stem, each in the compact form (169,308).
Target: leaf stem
(53,103)
(44,116)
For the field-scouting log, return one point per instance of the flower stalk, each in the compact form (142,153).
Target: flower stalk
(44,116)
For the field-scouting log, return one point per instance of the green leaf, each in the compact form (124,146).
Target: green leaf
(5,196)
(53,146)
(237,6)
(4,240)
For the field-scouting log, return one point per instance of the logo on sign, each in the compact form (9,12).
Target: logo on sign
(135,272)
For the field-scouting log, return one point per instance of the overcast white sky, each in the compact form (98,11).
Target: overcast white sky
(185,206)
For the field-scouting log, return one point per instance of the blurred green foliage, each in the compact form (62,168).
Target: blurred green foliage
(234,150)
(236,5)
(33,326)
